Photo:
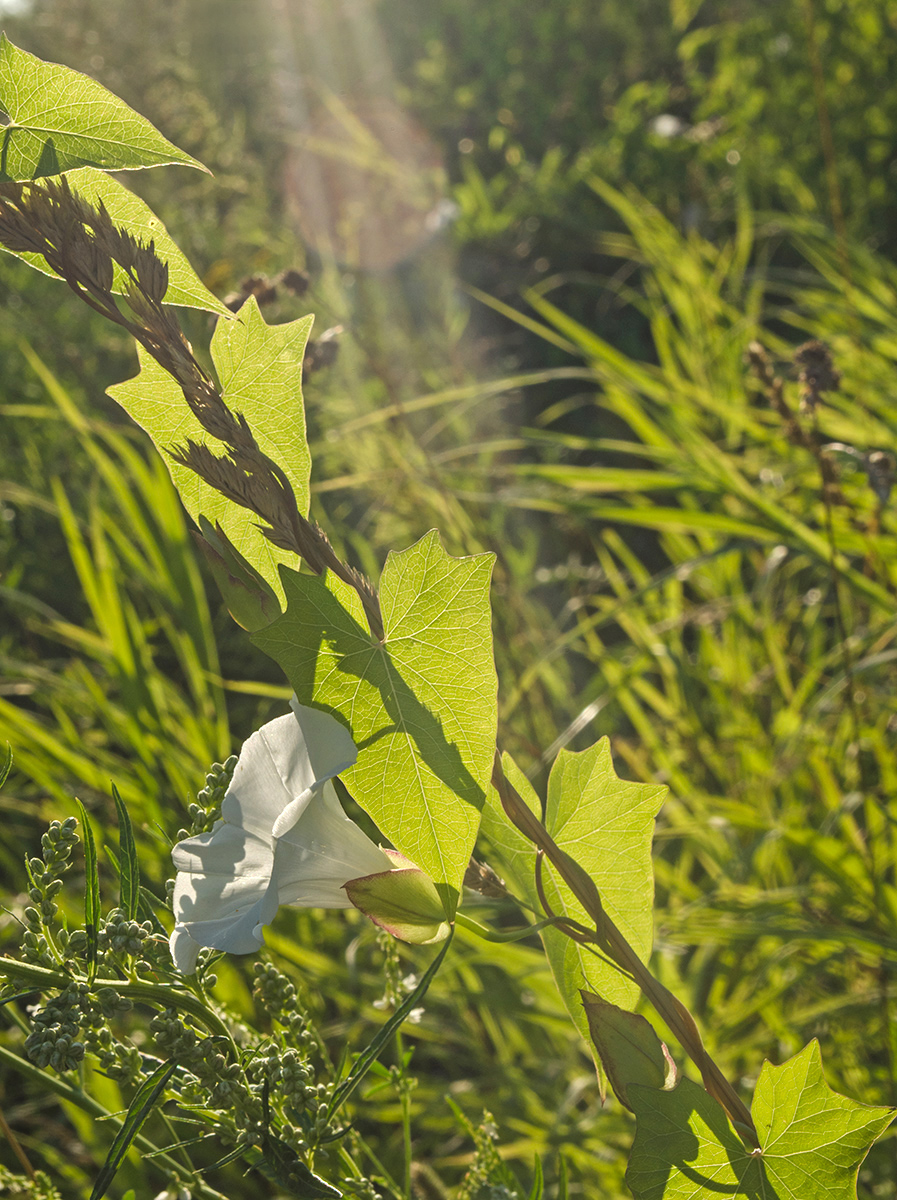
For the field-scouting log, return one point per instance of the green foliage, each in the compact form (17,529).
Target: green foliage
(606,824)
(145,1100)
(629,1049)
(131,214)
(810,1137)
(732,623)
(60,119)
(260,374)
(420,704)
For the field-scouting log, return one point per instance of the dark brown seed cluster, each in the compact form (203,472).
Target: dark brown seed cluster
(82,244)
(266,289)
(818,374)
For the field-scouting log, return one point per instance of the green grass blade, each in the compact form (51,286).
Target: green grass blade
(538,1180)
(141,1107)
(91,893)
(129,886)
(369,1056)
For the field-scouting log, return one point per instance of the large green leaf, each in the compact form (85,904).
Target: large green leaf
(607,825)
(812,1139)
(421,704)
(59,119)
(260,372)
(129,212)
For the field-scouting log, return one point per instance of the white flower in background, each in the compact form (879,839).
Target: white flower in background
(282,839)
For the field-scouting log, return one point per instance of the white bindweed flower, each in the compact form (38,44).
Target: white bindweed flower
(282,839)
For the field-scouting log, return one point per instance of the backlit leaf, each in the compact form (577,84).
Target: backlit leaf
(129,212)
(260,372)
(60,119)
(607,825)
(421,705)
(812,1139)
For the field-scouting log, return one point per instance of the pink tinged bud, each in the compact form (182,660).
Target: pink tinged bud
(403,901)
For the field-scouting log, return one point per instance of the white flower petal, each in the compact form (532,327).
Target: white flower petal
(184,950)
(227,914)
(280,763)
(321,852)
(223,893)
(231,880)
(227,850)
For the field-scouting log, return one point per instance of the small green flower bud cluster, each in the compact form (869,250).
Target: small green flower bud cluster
(277,995)
(121,936)
(45,884)
(35,947)
(53,1042)
(173,1037)
(20,1187)
(120,1060)
(74,944)
(488,1177)
(292,1078)
(207,809)
(221,1084)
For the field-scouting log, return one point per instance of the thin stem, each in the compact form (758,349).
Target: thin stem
(16,1146)
(156,993)
(405,1098)
(504,935)
(87,1104)
(672,1010)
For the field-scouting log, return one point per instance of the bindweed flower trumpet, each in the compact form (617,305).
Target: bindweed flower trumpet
(282,839)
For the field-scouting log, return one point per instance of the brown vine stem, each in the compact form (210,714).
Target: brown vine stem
(674,1013)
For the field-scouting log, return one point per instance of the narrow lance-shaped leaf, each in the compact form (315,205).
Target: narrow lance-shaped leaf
(91,892)
(371,1053)
(140,1108)
(60,119)
(812,1140)
(538,1189)
(129,867)
(129,212)
(7,766)
(260,372)
(421,703)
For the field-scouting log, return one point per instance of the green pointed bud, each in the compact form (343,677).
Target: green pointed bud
(629,1049)
(250,599)
(403,901)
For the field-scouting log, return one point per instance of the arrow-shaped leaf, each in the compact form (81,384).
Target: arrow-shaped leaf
(60,119)
(420,704)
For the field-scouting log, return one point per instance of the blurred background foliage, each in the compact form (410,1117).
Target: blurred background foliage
(539,241)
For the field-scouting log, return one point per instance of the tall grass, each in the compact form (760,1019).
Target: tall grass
(738,629)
